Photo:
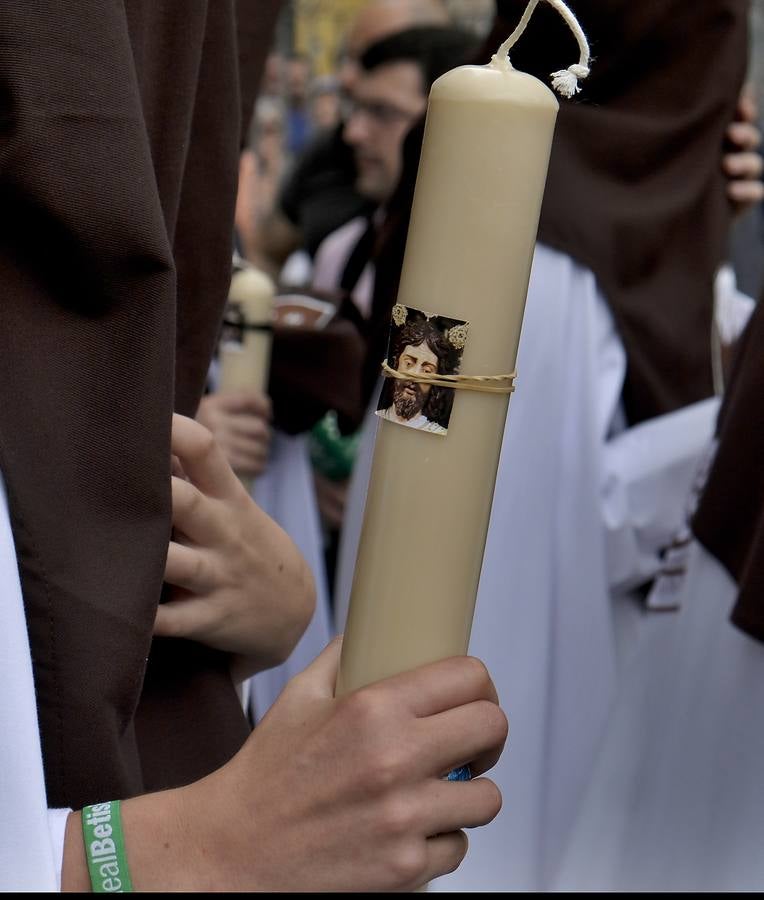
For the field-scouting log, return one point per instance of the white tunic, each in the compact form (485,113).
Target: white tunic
(31,837)
(676,801)
(285,491)
(579,508)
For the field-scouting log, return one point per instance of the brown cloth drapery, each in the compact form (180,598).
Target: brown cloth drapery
(730,518)
(635,189)
(119,145)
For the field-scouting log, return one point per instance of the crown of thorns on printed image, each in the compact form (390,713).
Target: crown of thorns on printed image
(422,343)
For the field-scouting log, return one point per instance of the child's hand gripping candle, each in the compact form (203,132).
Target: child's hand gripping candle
(452,353)
(245,349)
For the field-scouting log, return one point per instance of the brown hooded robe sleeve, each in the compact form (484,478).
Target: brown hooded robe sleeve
(730,517)
(119,133)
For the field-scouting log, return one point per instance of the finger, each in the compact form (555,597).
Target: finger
(246,401)
(247,445)
(176,468)
(473,734)
(249,468)
(453,805)
(187,618)
(745,193)
(243,453)
(442,685)
(193,514)
(337,491)
(444,854)
(202,458)
(331,511)
(248,424)
(744,135)
(332,518)
(747,106)
(188,568)
(319,679)
(743,165)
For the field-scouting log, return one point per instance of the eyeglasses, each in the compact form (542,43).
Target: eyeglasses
(379,113)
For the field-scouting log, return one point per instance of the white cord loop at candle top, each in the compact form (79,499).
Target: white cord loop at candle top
(488,384)
(565,81)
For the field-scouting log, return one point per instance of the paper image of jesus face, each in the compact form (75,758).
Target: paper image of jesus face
(420,346)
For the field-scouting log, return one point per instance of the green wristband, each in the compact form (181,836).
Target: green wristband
(105,848)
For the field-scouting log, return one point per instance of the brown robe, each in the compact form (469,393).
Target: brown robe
(120,130)
(730,518)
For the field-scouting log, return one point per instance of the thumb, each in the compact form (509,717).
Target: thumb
(320,677)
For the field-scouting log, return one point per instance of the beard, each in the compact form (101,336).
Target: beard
(408,399)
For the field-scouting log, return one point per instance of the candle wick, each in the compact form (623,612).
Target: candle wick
(565,81)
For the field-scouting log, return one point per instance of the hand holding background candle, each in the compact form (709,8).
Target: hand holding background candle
(468,257)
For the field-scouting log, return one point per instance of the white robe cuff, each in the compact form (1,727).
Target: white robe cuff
(648,470)
(57,827)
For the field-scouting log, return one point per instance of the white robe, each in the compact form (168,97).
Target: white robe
(676,801)
(285,491)
(567,523)
(31,836)
(579,509)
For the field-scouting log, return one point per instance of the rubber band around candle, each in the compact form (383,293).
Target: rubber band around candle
(489,384)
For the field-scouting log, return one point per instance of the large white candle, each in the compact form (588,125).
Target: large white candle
(470,246)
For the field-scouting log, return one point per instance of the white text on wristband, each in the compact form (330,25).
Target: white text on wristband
(105,848)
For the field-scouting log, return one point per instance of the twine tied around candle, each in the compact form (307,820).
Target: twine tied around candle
(488,384)
(565,81)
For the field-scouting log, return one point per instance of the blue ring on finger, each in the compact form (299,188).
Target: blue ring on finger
(463,773)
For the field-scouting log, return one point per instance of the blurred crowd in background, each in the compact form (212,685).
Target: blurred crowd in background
(302,94)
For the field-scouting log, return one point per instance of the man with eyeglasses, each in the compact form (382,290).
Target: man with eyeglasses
(386,99)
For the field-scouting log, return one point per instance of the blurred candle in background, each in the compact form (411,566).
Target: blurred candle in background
(245,349)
